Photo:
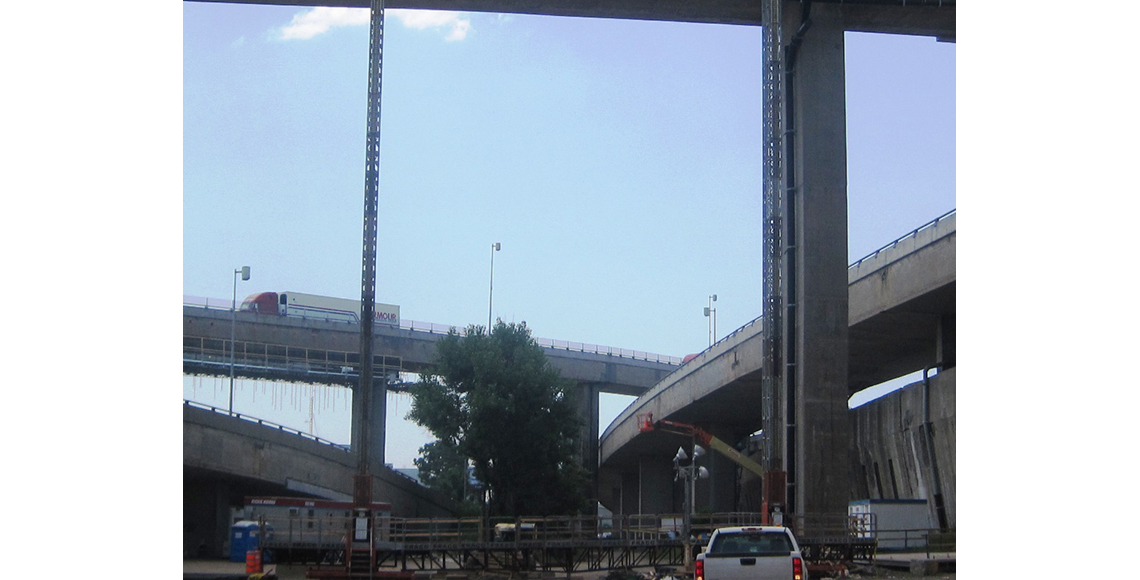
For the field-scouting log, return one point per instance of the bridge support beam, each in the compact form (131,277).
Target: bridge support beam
(947,340)
(589,395)
(376,415)
(822,446)
(718,492)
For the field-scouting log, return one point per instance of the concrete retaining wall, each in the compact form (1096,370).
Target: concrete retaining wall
(891,447)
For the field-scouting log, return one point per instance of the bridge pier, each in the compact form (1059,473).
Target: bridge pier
(377,415)
(718,492)
(818,455)
(589,395)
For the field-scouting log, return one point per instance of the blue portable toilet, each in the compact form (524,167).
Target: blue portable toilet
(244,537)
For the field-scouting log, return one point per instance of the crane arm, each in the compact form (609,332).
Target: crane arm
(646,423)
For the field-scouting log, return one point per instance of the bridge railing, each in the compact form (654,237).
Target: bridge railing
(434,328)
(903,238)
(855,265)
(263,422)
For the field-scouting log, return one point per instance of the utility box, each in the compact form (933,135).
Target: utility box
(897,524)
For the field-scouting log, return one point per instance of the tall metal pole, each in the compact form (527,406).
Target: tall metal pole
(710,313)
(362,398)
(244,271)
(491,293)
(772,380)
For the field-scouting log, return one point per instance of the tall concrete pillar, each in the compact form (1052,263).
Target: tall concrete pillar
(588,398)
(377,417)
(822,445)
(630,502)
(718,492)
(947,340)
(656,485)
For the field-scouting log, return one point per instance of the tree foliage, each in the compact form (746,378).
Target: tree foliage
(495,401)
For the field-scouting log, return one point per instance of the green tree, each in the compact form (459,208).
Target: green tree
(495,401)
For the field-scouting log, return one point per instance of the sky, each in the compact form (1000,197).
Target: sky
(617,162)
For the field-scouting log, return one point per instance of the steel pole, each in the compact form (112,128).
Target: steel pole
(362,397)
(491,291)
(233,334)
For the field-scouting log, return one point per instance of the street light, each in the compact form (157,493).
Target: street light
(710,313)
(244,271)
(491,294)
(688,470)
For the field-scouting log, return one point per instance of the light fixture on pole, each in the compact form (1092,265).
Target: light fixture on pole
(688,470)
(491,293)
(710,313)
(244,271)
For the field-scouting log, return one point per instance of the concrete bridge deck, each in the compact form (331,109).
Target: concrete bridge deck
(902,298)
(918,17)
(280,347)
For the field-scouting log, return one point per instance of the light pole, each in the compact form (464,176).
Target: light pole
(491,293)
(244,271)
(710,313)
(687,469)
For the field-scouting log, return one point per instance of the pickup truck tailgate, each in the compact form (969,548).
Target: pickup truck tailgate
(751,567)
(751,553)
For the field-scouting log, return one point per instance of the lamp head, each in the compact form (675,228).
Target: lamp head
(245,272)
(497,246)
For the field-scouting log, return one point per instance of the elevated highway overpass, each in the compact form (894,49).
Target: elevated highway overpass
(902,310)
(225,458)
(317,351)
(918,17)
(268,346)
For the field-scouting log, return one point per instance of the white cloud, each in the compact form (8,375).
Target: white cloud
(424,19)
(317,21)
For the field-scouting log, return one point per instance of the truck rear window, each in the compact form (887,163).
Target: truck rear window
(751,543)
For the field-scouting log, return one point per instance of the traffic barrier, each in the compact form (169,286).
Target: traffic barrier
(253,562)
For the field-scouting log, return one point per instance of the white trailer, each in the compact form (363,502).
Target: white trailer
(313,307)
(895,523)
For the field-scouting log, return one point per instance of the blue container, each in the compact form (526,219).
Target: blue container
(244,536)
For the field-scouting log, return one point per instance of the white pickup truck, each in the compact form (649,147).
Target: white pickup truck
(751,553)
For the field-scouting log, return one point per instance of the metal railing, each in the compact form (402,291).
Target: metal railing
(434,328)
(910,234)
(856,264)
(548,540)
(264,423)
(328,530)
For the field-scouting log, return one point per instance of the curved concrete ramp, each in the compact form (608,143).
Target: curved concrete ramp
(901,316)
(722,383)
(234,449)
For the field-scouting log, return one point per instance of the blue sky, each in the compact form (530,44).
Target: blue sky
(618,163)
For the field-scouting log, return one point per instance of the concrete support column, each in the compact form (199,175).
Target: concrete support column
(823,446)
(656,475)
(588,397)
(718,492)
(377,411)
(630,494)
(947,340)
